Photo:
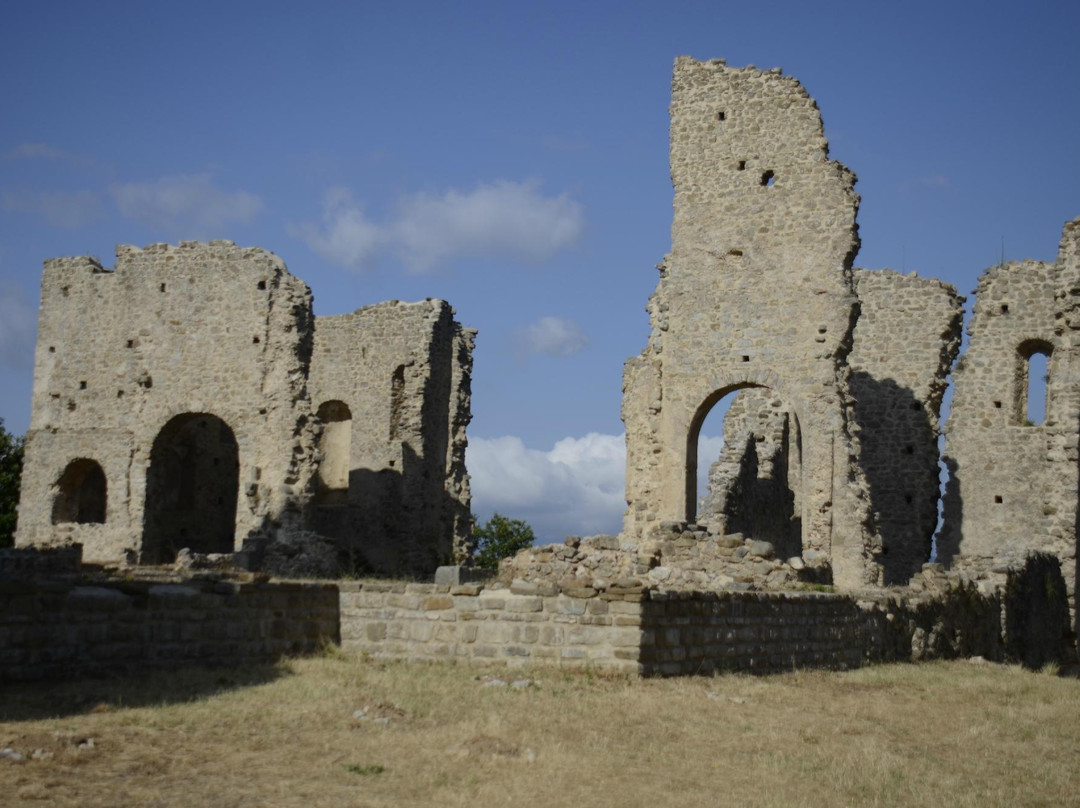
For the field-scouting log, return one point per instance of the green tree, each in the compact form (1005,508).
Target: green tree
(11,460)
(498,538)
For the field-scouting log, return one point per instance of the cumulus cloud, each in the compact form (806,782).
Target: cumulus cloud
(550,336)
(187,204)
(575,488)
(347,238)
(18,328)
(69,209)
(502,220)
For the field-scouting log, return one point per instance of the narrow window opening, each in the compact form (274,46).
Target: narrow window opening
(162,287)
(1032,385)
(767,179)
(742,165)
(720,116)
(397,400)
(82,385)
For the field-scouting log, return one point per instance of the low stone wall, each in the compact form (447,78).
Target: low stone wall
(62,629)
(652,632)
(528,623)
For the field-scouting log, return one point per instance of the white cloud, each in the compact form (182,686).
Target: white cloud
(502,220)
(185,204)
(70,209)
(18,328)
(550,336)
(348,238)
(576,488)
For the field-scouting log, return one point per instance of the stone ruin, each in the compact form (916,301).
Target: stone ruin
(189,399)
(829,474)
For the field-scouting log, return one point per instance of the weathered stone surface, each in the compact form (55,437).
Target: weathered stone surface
(189,399)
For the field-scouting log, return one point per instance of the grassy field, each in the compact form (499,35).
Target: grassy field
(345,732)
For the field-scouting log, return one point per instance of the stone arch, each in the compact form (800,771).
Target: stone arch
(192,486)
(762,500)
(82,494)
(1032,355)
(335,450)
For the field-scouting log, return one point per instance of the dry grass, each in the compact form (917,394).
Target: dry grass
(945,734)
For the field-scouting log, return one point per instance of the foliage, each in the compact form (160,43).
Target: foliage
(11,460)
(498,538)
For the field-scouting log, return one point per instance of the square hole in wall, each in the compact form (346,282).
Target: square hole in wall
(746,359)
(162,287)
(131,343)
(1004,308)
(768,178)
(997,499)
(742,165)
(82,385)
(997,405)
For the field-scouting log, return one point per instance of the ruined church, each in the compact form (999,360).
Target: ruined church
(189,398)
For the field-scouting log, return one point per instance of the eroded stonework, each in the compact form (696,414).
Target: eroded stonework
(756,292)
(176,404)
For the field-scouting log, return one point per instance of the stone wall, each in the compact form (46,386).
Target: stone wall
(64,629)
(756,292)
(906,339)
(403,372)
(171,333)
(1013,482)
(177,403)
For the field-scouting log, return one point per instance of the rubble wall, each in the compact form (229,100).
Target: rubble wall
(197,328)
(906,339)
(1013,486)
(756,292)
(403,370)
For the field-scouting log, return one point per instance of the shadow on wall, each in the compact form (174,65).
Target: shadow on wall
(899,453)
(392,522)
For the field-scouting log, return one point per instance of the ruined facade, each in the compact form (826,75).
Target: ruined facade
(178,403)
(1013,472)
(756,292)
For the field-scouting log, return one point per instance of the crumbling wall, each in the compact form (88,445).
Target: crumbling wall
(756,292)
(171,332)
(176,405)
(906,339)
(402,371)
(1013,483)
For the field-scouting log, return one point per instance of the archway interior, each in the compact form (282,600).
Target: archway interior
(334,452)
(191,488)
(81,495)
(745,467)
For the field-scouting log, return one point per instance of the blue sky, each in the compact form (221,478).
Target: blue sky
(512,159)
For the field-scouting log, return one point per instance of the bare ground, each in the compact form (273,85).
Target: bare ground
(344,731)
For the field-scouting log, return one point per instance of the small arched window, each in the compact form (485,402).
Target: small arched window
(81,495)
(1033,381)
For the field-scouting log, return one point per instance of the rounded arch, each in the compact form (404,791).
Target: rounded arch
(335,452)
(1031,388)
(82,494)
(758,482)
(192,486)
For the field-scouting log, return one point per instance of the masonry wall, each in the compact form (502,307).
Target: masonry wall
(209,329)
(1013,485)
(756,292)
(403,370)
(906,339)
(64,629)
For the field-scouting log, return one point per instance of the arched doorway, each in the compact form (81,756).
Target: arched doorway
(81,495)
(752,478)
(191,488)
